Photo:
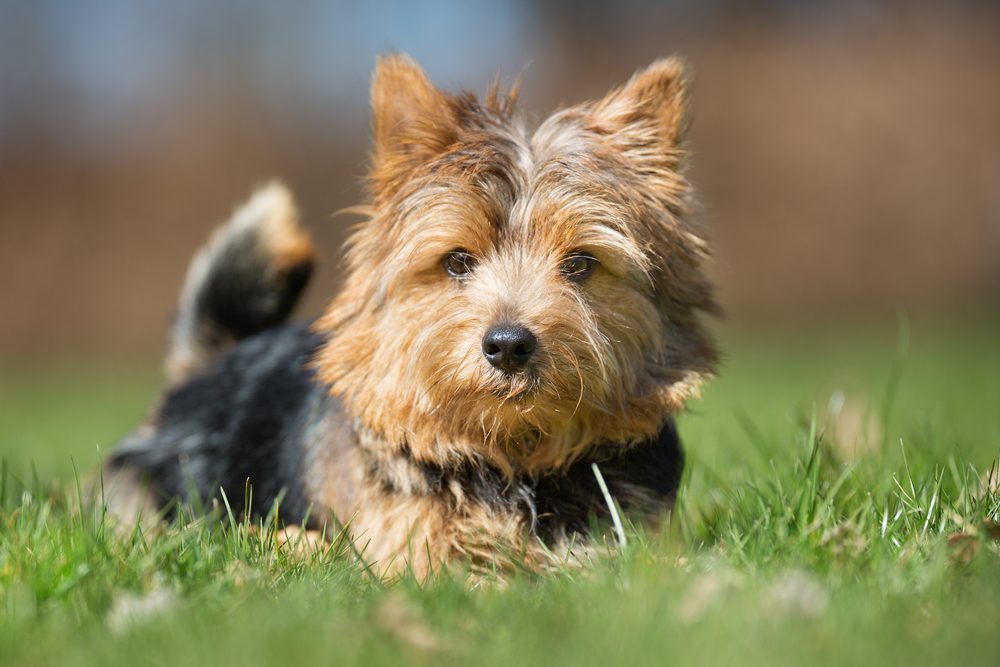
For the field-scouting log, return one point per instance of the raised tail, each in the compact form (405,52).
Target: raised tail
(247,278)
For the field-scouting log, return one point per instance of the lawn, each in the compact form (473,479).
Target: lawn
(836,510)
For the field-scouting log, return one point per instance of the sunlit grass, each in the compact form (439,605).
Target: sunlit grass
(790,545)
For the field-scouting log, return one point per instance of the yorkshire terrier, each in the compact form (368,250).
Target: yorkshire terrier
(518,306)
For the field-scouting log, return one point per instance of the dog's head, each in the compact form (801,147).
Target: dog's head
(521,297)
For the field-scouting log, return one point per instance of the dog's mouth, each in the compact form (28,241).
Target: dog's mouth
(518,388)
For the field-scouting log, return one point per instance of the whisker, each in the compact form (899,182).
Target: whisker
(579,374)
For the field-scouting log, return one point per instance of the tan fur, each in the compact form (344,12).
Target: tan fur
(619,353)
(421,534)
(408,527)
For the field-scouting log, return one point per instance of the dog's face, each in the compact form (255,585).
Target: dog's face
(521,297)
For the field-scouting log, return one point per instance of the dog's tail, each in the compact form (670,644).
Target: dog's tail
(247,278)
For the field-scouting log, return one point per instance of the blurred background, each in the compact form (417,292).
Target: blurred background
(847,153)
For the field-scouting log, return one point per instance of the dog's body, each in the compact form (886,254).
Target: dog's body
(517,309)
(260,415)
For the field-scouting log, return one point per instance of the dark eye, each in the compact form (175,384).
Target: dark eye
(459,263)
(578,266)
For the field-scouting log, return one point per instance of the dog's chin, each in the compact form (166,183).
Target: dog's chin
(524,398)
(531,399)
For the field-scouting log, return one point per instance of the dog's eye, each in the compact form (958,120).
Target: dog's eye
(459,263)
(578,266)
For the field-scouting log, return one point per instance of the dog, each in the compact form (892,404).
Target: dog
(522,317)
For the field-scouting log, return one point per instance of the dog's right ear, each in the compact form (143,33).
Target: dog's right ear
(412,121)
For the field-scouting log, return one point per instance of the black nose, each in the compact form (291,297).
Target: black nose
(508,346)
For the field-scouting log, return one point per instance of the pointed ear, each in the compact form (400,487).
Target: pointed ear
(654,99)
(411,119)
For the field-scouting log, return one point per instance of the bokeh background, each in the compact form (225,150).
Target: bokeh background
(847,153)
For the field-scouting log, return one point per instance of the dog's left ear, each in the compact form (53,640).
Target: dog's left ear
(651,106)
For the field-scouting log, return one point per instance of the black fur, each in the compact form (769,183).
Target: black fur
(244,295)
(242,421)
(642,479)
(253,416)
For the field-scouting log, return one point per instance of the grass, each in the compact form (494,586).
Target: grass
(789,546)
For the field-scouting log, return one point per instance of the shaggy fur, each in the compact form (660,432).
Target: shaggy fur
(385,412)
